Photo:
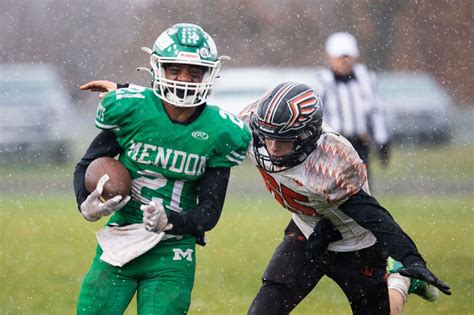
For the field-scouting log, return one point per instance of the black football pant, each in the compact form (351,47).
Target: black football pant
(290,276)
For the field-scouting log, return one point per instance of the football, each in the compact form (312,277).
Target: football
(119,183)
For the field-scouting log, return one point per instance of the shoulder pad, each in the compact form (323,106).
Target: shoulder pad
(244,115)
(334,170)
(233,140)
(117,105)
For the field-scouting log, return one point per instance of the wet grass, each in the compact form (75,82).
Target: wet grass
(47,248)
(412,170)
(455,162)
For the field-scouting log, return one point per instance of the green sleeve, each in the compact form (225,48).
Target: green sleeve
(109,113)
(116,106)
(233,145)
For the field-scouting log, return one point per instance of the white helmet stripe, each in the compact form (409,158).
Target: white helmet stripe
(270,114)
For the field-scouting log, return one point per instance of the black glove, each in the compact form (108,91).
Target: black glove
(201,239)
(323,234)
(122,85)
(421,272)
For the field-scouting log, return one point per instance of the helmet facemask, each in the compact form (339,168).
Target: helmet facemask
(303,145)
(178,93)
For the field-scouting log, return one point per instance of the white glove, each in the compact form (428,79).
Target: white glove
(93,208)
(154,218)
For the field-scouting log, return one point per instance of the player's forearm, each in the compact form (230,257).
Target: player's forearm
(202,218)
(105,144)
(79,186)
(366,211)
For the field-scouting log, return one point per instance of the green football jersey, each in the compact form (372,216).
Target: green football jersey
(166,160)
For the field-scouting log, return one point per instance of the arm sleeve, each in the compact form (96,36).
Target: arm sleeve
(204,216)
(105,144)
(367,212)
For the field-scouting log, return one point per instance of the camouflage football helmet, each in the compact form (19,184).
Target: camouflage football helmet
(184,44)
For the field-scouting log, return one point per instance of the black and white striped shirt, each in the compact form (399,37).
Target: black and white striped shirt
(350,105)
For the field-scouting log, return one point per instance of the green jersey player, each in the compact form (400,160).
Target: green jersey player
(179,151)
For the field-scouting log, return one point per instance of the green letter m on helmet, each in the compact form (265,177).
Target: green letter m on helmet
(184,44)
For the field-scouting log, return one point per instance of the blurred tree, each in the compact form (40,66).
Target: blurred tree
(437,37)
(383,14)
(99,38)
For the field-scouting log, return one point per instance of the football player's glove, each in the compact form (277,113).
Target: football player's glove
(93,208)
(421,272)
(323,234)
(154,218)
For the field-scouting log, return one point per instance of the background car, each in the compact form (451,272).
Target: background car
(35,113)
(417,107)
(238,87)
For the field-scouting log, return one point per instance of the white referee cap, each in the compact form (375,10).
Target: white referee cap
(342,44)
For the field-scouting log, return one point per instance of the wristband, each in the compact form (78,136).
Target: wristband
(122,85)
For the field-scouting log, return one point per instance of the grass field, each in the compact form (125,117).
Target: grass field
(46,247)
(46,250)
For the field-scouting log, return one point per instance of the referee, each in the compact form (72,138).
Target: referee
(350,106)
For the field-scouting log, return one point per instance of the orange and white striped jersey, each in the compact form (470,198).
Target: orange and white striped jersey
(315,188)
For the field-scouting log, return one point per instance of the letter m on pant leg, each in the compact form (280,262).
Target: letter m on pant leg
(179,254)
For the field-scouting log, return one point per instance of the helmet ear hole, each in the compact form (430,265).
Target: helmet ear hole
(290,111)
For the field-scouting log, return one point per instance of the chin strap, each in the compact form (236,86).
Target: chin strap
(148,51)
(146,70)
(224,58)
